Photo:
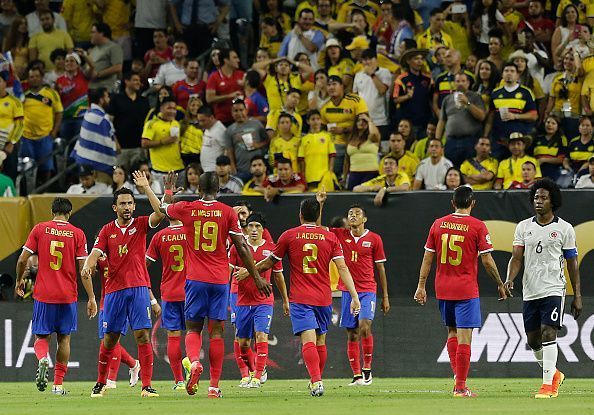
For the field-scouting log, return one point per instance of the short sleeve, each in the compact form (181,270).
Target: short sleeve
(420,172)
(484,239)
(336,249)
(211,83)
(301,150)
(385,77)
(152,253)
(430,243)
(160,77)
(278,266)
(530,103)
(175,210)
(538,172)
(101,241)
(68,41)
(56,101)
(361,107)
(233,257)
(519,235)
(331,147)
(501,171)
(569,244)
(233,223)
(399,88)
(281,247)
(116,55)
(147,131)
(81,247)
(378,250)
(32,240)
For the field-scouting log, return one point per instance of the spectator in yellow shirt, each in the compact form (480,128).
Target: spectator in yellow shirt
(285,144)
(11,126)
(290,108)
(434,35)
(190,132)
(316,152)
(510,170)
(481,170)
(391,181)
(79,17)
(44,43)
(406,161)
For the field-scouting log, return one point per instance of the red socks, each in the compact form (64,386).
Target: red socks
(367,343)
(452,345)
(41,347)
(193,345)
(175,357)
(59,372)
(105,356)
(247,355)
(216,354)
(243,369)
(261,358)
(323,354)
(312,361)
(114,363)
(145,356)
(127,359)
(354,356)
(462,365)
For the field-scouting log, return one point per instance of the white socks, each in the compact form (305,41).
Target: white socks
(538,356)
(549,361)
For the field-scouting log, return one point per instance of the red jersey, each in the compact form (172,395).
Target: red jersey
(207,225)
(166,54)
(247,292)
(182,91)
(224,85)
(275,181)
(125,249)
(360,254)
(169,244)
(59,245)
(457,240)
(103,269)
(310,249)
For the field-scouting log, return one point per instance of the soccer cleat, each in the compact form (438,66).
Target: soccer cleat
(98,390)
(463,393)
(264,376)
(255,383)
(42,375)
(179,385)
(59,390)
(244,383)
(317,389)
(148,392)
(187,367)
(558,380)
(367,378)
(545,392)
(357,381)
(194,377)
(134,374)
(214,393)
(111,384)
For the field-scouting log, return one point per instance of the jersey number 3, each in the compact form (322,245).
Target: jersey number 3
(449,244)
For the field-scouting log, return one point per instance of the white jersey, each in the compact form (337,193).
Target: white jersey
(545,250)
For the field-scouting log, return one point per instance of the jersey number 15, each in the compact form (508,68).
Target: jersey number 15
(450,244)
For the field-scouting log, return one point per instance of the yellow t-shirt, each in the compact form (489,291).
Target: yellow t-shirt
(401,178)
(406,164)
(276,90)
(371,11)
(588,89)
(342,68)
(191,141)
(288,149)
(459,37)
(343,114)
(426,41)
(296,123)
(284,20)
(45,43)
(271,45)
(39,109)
(116,13)
(167,157)
(11,110)
(468,169)
(514,17)
(574,95)
(79,18)
(315,150)
(303,106)
(364,158)
(511,170)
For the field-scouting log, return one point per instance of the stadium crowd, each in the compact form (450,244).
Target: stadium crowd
(292,96)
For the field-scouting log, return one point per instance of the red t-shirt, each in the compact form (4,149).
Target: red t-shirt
(169,244)
(360,255)
(103,269)
(223,85)
(182,91)
(457,240)
(247,292)
(274,181)
(310,249)
(265,236)
(125,249)
(166,54)
(207,225)
(58,245)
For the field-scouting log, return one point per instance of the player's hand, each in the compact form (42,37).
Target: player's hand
(576,307)
(170,182)
(509,286)
(140,179)
(241,274)
(385,305)
(156,310)
(19,289)
(504,292)
(421,296)
(355,306)
(263,286)
(91,308)
(286,308)
(321,195)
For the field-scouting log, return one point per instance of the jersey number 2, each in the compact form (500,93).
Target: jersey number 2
(54,245)
(313,249)
(449,244)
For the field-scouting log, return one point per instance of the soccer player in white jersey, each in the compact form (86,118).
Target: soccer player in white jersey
(545,243)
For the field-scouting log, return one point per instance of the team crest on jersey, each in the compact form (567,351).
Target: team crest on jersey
(366,244)
(488,239)
(554,235)
(112,236)
(348,241)
(322,140)
(132,231)
(519,95)
(266,252)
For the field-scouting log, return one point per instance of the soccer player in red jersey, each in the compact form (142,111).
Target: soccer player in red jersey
(127,288)
(61,248)
(310,249)
(169,244)
(254,310)
(207,225)
(457,240)
(363,251)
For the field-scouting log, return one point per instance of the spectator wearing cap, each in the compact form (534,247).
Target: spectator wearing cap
(227,182)
(57,57)
(34,24)
(161,136)
(432,170)
(510,169)
(527,78)
(173,70)
(246,139)
(191,85)
(303,38)
(46,41)
(96,146)
(214,142)
(108,57)
(284,181)
(587,180)
(73,87)
(11,126)
(413,90)
(336,62)
(434,35)
(224,85)
(339,115)
(7,188)
(356,48)
(513,110)
(371,84)
(289,108)
(256,103)
(461,120)
(88,184)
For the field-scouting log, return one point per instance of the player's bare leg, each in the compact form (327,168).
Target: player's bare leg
(174,354)
(145,356)
(216,355)
(309,340)
(193,346)
(463,363)
(106,351)
(61,367)
(452,347)
(367,346)
(41,347)
(543,343)
(354,355)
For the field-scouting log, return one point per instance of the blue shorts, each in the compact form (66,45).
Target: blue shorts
(100,325)
(368,302)
(53,318)
(253,318)
(38,150)
(206,300)
(462,314)
(172,315)
(547,311)
(310,317)
(233,306)
(128,305)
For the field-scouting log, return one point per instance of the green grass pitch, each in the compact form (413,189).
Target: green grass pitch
(386,396)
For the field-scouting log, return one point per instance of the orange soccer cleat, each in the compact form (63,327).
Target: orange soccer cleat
(558,379)
(463,393)
(545,392)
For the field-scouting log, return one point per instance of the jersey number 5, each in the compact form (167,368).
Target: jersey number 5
(449,244)
(208,232)
(313,249)
(54,245)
